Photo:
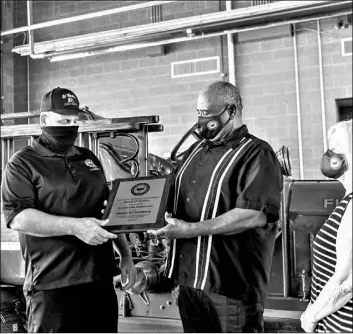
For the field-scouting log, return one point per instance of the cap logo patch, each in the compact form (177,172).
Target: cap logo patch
(71,100)
(89,163)
(67,95)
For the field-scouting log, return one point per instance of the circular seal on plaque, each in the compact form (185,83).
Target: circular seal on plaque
(140,189)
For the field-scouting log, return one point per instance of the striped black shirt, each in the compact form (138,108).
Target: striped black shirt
(214,178)
(325,258)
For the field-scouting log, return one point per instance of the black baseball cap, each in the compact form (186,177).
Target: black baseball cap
(61,101)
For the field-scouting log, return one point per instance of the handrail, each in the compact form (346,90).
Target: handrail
(90,132)
(102,125)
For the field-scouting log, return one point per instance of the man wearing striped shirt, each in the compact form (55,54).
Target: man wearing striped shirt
(223,225)
(331,305)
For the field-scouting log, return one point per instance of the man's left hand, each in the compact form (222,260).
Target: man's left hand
(175,229)
(307,321)
(128,273)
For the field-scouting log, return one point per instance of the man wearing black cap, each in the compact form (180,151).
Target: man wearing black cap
(53,194)
(223,225)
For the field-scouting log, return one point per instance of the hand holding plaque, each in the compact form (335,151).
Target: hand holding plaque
(137,204)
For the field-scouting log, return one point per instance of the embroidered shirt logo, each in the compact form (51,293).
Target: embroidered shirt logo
(89,163)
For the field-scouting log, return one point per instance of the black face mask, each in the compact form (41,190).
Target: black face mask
(58,139)
(210,126)
(333,165)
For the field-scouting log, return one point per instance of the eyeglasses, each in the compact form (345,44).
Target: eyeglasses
(205,113)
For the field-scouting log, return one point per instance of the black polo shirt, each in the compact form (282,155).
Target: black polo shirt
(214,178)
(71,185)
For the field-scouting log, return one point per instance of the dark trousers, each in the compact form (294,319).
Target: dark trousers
(84,308)
(205,312)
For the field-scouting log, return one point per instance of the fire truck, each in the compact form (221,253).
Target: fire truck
(150,306)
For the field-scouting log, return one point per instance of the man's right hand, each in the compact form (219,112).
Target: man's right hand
(89,230)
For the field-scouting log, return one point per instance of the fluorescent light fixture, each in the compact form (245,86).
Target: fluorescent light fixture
(68,56)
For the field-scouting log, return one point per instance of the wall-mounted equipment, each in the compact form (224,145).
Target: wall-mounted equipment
(344,22)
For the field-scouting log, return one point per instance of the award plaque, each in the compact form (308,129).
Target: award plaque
(137,204)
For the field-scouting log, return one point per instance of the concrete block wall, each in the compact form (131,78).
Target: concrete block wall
(132,83)
(7,64)
(128,83)
(7,88)
(266,77)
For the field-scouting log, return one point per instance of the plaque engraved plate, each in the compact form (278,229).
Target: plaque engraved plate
(137,204)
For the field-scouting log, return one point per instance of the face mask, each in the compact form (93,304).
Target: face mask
(209,127)
(59,139)
(333,165)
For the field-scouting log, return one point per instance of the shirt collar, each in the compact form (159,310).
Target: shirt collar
(43,151)
(232,140)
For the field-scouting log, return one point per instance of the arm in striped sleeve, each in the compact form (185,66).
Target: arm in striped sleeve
(338,290)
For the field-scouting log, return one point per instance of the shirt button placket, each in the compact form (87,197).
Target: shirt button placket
(70,168)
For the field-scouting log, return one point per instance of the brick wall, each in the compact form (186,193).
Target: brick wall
(132,83)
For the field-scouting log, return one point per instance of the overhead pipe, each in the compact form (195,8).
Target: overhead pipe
(28,91)
(284,220)
(86,52)
(241,16)
(297,91)
(31,43)
(126,33)
(29,23)
(322,89)
(230,44)
(85,17)
(30,32)
(29,140)
(109,42)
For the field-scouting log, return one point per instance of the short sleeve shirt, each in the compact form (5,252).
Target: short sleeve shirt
(242,172)
(71,185)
